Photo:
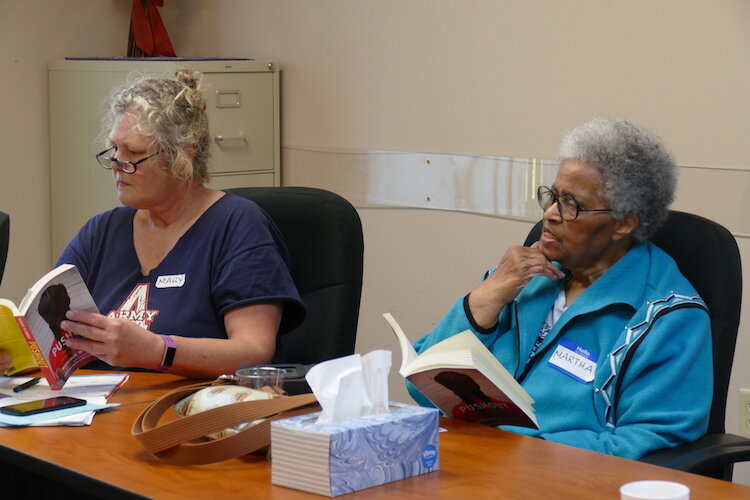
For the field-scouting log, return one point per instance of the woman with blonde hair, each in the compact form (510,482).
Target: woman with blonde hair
(188,279)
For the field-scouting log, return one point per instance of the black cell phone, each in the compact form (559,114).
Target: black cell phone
(42,405)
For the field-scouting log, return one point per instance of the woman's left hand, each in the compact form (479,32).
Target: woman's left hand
(116,341)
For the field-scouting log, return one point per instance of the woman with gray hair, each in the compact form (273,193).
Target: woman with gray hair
(188,279)
(596,323)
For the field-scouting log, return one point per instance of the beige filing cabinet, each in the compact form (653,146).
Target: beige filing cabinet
(242,99)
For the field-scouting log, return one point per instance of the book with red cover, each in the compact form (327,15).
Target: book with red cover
(461,377)
(31,331)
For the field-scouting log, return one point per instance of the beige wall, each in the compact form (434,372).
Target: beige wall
(32,33)
(477,77)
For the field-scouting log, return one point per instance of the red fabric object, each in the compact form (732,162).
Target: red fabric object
(148,29)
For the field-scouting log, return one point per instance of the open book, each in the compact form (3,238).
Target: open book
(460,376)
(31,331)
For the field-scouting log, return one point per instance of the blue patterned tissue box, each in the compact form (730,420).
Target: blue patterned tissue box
(338,458)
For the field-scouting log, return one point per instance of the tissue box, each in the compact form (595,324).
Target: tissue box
(354,454)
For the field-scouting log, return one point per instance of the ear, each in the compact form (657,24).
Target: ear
(190,150)
(625,226)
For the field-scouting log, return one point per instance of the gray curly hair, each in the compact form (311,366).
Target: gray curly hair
(173,113)
(640,175)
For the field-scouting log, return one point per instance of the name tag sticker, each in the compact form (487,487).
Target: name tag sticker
(574,360)
(170,281)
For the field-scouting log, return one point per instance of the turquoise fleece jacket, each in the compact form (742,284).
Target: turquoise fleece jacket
(653,381)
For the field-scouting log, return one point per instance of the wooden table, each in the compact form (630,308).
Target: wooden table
(104,460)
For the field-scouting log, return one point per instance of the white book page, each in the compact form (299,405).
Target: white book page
(408,353)
(453,352)
(77,386)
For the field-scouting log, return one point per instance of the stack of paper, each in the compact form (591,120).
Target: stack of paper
(95,389)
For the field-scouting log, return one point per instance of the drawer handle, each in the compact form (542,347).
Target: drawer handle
(225,138)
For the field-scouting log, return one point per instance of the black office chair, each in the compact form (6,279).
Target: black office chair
(4,241)
(323,234)
(708,256)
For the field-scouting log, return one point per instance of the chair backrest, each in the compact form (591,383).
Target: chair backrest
(708,256)
(323,234)
(4,241)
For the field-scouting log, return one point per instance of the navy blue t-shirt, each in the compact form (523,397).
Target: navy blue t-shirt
(232,256)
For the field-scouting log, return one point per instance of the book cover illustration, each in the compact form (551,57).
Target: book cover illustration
(470,396)
(38,319)
(44,314)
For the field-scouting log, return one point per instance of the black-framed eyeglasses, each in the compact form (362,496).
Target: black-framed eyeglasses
(567,205)
(106,160)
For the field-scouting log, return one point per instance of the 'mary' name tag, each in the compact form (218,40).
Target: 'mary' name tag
(574,360)
(170,281)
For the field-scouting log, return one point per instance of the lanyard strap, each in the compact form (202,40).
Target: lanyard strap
(542,335)
(179,441)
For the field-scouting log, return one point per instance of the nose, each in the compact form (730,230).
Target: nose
(552,212)
(120,165)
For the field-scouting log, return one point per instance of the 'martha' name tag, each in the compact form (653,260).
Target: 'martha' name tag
(170,281)
(574,360)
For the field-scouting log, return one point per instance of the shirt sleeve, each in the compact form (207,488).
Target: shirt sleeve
(251,265)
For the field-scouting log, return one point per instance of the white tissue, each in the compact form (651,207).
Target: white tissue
(351,386)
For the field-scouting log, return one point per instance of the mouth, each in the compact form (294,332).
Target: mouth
(547,236)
